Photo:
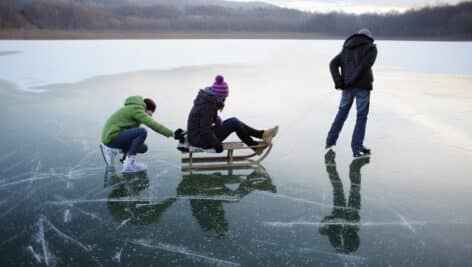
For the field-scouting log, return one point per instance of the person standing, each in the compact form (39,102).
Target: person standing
(351,71)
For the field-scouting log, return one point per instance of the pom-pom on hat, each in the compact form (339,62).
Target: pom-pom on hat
(219,87)
(365,32)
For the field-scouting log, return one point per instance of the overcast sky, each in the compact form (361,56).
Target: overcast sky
(354,6)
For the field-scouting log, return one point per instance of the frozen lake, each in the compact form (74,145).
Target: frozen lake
(29,64)
(408,206)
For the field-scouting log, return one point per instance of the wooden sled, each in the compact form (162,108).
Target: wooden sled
(231,160)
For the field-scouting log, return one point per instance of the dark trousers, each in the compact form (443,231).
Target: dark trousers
(244,132)
(362,103)
(131,141)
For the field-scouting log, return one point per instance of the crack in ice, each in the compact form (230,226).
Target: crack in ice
(185,252)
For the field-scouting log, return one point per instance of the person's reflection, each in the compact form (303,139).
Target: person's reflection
(208,191)
(342,225)
(124,201)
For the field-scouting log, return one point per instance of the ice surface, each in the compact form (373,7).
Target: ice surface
(117,256)
(27,69)
(185,252)
(409,205)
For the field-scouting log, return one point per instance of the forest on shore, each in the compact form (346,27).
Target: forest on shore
(442,22)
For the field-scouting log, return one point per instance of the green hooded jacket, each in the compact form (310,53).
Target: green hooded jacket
(131,116)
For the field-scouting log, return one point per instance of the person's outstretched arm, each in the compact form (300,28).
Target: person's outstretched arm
(366,63)
(147,120)
(334,68)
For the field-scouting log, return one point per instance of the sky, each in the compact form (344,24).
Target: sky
(354,6)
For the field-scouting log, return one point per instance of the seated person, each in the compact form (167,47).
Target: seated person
(206,130)
(122,133)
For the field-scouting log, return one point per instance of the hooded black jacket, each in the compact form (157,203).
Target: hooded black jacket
(200,120)
(356,59)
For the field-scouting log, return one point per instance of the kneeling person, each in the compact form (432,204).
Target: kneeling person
(122,133)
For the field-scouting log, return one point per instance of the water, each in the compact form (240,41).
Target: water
(408,205)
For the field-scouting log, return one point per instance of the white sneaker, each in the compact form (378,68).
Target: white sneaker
(109,154)
(131,166)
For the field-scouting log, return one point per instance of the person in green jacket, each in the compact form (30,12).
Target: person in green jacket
(122,133)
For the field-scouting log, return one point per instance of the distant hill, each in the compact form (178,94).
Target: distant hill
(439,22)
(216,16)
(178,3)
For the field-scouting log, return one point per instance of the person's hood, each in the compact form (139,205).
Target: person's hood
(135,100)
(357,40)
(206,96)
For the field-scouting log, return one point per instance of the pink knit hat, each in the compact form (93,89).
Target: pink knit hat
(220,88)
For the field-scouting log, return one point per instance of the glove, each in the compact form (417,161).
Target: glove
(339,84)
(179,134)
(219,148)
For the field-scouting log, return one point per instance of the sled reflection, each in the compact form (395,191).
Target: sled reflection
(342,225)
(125,202)
(207,191)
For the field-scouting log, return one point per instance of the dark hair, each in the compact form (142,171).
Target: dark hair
(150,104)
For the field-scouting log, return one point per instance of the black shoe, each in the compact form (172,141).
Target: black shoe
(366,150)
(361,154)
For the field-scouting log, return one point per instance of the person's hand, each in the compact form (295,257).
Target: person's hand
(179,135)
(339,84)
(219,148)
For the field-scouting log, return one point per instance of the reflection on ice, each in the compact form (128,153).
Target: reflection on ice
(207,191)
(341,226)
(127,205)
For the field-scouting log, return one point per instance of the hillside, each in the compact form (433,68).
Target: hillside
(215,16)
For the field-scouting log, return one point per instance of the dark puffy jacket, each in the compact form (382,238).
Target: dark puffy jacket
(200,120)
(356,60)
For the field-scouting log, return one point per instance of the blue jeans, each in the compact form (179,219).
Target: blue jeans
(362,103)
(131,141)
(244,132)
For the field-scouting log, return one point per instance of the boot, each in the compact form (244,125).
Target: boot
(269,134)
(131,166)
(261,146)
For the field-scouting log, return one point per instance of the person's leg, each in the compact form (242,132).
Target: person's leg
(142,149)
(362,104)
(243,131)
(131,140)
(344,107)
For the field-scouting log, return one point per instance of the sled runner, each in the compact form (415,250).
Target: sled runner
(237,156)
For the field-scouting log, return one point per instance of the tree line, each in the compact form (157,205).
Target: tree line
(447,21)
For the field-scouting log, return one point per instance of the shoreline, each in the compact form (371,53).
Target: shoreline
(13,34)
